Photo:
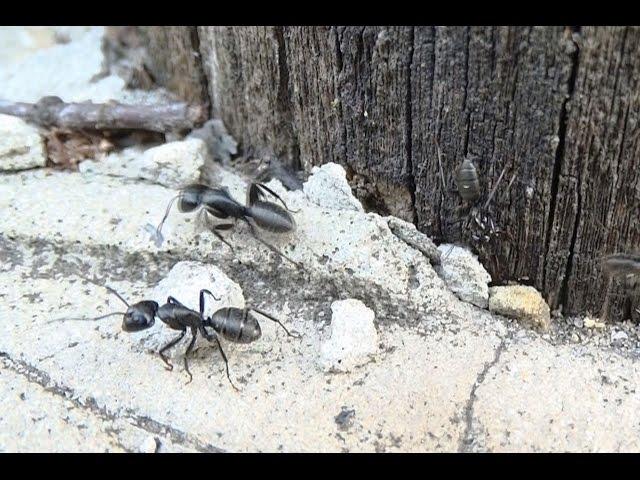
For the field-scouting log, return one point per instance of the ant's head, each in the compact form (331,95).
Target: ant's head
(140,316)
(191,197)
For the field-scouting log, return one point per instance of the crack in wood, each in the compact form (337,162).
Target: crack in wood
(409,126)
(206,97)
(284,99)
(559,160)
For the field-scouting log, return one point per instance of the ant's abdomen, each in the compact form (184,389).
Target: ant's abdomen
(236,325)
(272,217)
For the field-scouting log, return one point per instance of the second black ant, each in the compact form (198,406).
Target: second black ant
(219,203)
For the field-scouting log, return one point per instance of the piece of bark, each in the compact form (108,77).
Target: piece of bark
(53,112)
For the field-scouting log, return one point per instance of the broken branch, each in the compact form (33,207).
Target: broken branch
(52,111)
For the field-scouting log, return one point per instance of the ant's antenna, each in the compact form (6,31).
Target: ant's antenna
(76,319)
(117,295)
(95,318)
(166,214)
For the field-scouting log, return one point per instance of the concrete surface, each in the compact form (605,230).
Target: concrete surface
(447,375)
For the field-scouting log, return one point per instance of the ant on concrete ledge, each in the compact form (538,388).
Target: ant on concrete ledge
(219,203)
(237,325)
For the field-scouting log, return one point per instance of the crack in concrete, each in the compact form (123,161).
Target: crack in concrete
(39,377)
(114,264)
(467,438)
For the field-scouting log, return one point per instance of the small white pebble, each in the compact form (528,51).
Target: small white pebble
(150,445)
(619,336)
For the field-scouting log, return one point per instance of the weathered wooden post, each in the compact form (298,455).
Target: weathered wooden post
(555,108)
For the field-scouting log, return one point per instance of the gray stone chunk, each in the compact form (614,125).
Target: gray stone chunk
(464,275)
(21,146)
(328,187)
(408,233)
(174,164)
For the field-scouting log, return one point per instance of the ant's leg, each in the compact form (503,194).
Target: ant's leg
(204,332)
(268,245)
(204,216)
(253,194)
(173,301)
(223,226)
(202,292)
(169,345)
(226,362)
(444,185)
(493,191)
(273,319)
(263,186)
(194,334)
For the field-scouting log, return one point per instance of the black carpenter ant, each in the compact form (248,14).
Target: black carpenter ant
(234,324)
(219,203)
(141,316)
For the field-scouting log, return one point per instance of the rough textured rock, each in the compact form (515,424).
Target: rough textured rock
(173,164)
(185,280)
(593,323)
(464,275)
(328,187)
(522,303)
(21,146)
(618,337)
(408,233)
(353,340)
